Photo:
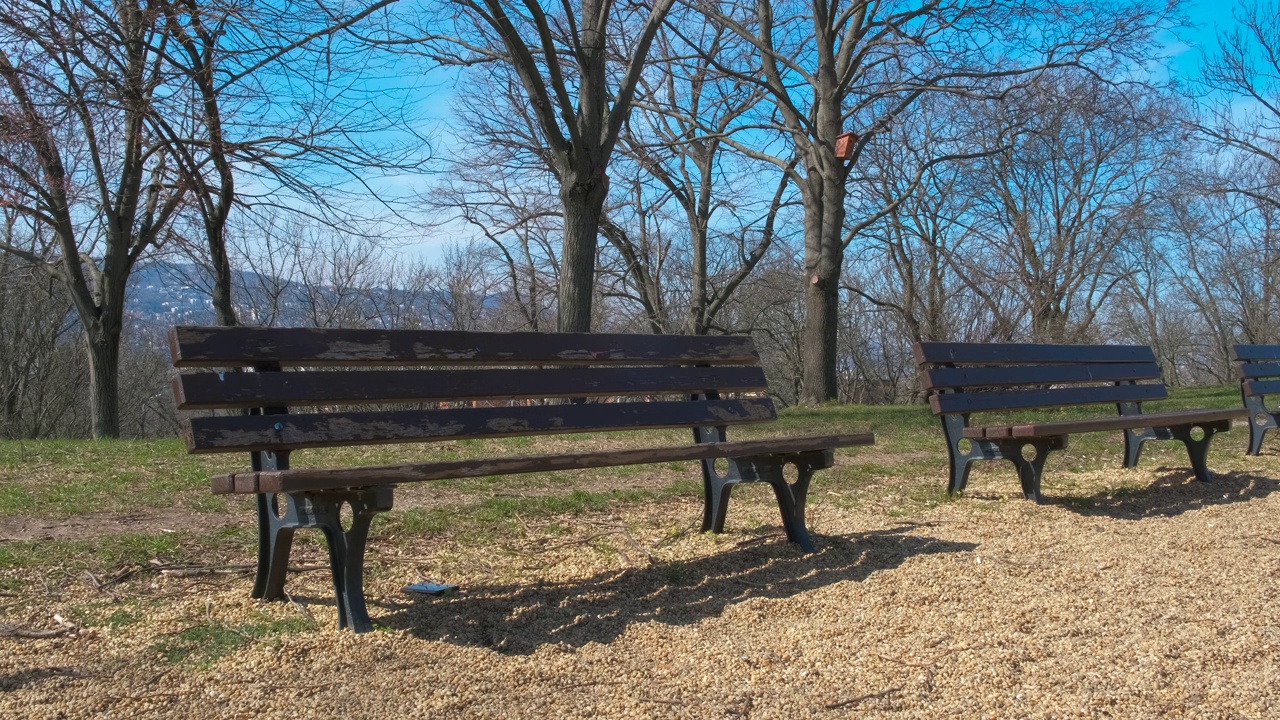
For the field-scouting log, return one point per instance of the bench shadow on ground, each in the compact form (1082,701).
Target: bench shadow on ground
(1175,491)
(517,619)
(23,678)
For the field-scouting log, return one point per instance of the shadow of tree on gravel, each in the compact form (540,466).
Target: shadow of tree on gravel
(1174,492)
(518,619)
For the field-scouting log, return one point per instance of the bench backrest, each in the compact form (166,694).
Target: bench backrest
(1259,369)
(979,377)
(332,372)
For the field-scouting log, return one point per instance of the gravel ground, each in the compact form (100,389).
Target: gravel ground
(1158,601)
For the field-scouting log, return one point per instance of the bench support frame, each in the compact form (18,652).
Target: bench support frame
(1031,469)
(316,509)
(323,510)
(791,497)
(1260,421)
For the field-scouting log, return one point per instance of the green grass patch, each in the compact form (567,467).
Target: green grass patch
(201,645)
(109,553)
(64,478)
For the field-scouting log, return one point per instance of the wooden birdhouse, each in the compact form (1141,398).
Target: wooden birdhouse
(844,144)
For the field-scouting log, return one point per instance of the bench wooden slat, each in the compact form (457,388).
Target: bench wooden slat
(972,402)
(1259,370)
(1123,422)
(258,432)
(934,378)
(204,391)
(332,478)
(1029,353)
(246,346)
(1118,422)
(1261,387)
(1257,353)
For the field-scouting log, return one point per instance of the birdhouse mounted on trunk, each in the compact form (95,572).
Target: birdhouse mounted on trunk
(844,145)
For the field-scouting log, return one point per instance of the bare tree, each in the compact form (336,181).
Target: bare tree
(676,138)
(79,164)
(41,369)
(856,65)
(563,60)
(1242,114)
(1061,208)
(281,92)
(500,184)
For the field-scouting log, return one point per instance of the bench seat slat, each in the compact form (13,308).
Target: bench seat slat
(258,432)
(935,378)
(1257,353)
(248,346)
(1262,387)
(1118,422)
(204,391)
(972,402)
(332,478)
(1259,370)
(1029,353)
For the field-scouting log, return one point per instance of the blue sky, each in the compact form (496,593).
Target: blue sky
(1184,49)
(1187,47)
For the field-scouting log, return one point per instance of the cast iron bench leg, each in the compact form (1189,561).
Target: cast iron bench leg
(1198,450)
(275,541)
(323,510)
(1030,470)
(792,497)
(1135,438)
(1260,421)
(959,461)
(715,501)
(346,551)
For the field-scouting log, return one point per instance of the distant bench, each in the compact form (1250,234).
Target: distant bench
(659,381)
(964,379)
(1259,376)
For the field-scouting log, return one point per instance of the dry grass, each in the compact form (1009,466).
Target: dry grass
(1132,593)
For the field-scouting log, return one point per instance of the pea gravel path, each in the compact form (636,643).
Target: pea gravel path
(1159,601)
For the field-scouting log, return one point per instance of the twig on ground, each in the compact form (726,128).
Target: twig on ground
(862,699)
(582,541)
(662,701)
(305,610)
(574,686)
(151,696)
(193,570)
(525,525)
(122,576)
(34,633)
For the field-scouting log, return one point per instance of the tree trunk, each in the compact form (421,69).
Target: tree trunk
(824,257)
(104,380)
(221,296)
(583,200)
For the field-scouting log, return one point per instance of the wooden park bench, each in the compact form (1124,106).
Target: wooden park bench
(1259,376)
(422,385)
(964,379)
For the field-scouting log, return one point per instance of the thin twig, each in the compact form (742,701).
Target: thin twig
(305,610)
(583,541)
(193,570)
(573,686)
(34,633)
(863,698)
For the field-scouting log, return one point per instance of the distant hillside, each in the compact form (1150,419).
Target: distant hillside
(163,294)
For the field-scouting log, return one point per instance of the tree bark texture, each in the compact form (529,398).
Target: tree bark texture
(583,199)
